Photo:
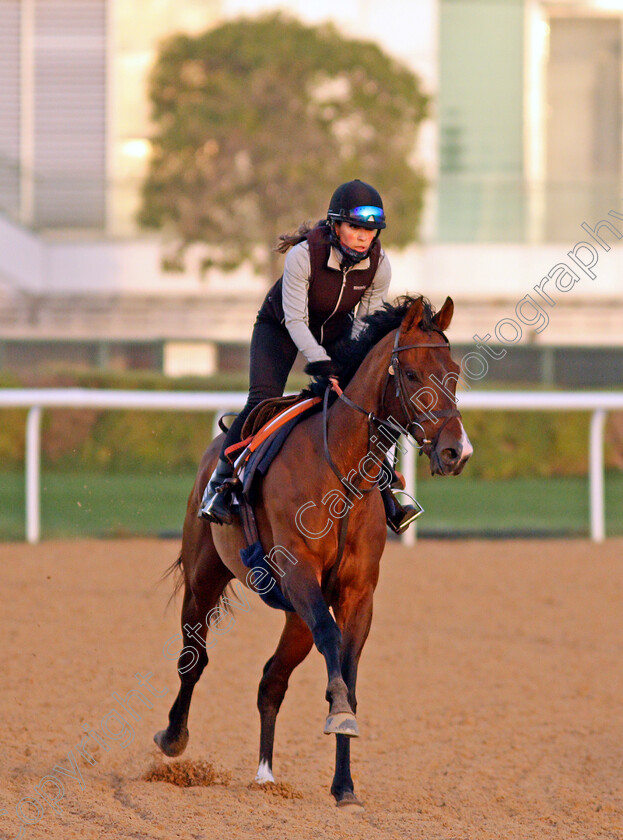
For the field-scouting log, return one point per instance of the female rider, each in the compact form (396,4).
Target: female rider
(333,268)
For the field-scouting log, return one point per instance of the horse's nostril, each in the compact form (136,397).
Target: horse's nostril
(450,455)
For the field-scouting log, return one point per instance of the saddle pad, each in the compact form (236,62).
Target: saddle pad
(255,467)
(259,461)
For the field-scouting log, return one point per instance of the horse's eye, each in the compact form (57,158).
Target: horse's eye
(411,375)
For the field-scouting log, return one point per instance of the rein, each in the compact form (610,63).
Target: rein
(373,420)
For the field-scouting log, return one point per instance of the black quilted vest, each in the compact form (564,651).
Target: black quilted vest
(332,295)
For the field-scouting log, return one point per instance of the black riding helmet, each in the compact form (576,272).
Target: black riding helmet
(358,203)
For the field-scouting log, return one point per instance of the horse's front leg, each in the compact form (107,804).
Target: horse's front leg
(301,586)
(354,616)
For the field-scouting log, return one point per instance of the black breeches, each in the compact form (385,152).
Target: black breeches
(272,355)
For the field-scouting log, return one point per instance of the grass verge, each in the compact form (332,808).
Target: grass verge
(115,505)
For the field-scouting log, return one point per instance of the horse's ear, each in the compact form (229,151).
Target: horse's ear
(444,316)
(413,316)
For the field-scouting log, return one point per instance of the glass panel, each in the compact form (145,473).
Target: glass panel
(481,195)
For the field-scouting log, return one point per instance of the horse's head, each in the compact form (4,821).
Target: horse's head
(420,389)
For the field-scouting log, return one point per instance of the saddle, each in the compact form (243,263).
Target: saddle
(265,411)
(269,421)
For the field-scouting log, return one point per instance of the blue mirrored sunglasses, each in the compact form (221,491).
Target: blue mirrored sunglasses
(368,213)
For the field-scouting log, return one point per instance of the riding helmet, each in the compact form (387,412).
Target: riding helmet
(358,203)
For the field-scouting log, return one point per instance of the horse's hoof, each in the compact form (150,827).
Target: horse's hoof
(342,723)
(168,746)
(264,774)
(349,804)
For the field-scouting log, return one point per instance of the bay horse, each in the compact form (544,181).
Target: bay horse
(398,375)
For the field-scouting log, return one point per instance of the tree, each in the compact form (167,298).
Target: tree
(257,122)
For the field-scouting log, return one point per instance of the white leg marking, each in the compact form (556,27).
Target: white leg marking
(264,774)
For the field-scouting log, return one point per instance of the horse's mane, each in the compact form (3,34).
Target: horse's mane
(350,353)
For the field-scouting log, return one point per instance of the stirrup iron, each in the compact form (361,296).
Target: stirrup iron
(215,505)
(402,516)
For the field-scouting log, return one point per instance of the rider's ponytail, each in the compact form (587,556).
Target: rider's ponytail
(288,240)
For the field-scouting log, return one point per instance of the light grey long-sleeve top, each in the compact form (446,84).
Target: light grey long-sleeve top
(295,287)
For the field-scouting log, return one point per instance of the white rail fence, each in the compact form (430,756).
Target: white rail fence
(36,399)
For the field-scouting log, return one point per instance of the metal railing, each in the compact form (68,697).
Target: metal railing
(36,399)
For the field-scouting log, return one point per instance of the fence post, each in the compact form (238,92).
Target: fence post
(408,465)
(33,474)
(596,476)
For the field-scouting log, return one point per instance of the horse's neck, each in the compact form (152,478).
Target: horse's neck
(349,429)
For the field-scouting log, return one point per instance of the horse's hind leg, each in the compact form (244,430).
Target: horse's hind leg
(209,580)
(295,643)
(191,662)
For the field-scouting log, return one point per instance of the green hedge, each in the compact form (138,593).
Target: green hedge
(506,444)
(512,444)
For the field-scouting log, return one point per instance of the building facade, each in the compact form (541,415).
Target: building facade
(74,134)
(523,146)
(529,118)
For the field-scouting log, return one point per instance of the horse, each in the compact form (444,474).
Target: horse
(399,376)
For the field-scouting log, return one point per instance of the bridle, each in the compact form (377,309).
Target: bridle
(413,419)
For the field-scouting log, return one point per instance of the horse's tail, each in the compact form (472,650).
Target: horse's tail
(174,569)
(224,605)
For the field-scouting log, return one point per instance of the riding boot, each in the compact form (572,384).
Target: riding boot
(217,497)
(398,516)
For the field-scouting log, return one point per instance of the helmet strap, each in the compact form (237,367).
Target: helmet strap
(349,256)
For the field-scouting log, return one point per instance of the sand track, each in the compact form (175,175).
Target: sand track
(490,700)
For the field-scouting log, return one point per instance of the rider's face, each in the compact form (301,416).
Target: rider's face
(353,237)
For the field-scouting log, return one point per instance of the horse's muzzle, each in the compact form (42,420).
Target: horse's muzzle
(450,454)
